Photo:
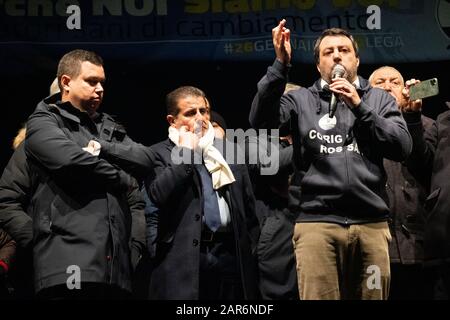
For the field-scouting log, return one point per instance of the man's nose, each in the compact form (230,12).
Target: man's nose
(99,87)
(199,116)
(336,55)
(387,86)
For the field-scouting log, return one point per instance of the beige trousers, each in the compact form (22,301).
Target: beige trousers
(342,262)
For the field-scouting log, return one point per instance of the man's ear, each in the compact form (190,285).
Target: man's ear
(65,79)
(170,119)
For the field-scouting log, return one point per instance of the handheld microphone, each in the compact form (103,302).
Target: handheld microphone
(337,72)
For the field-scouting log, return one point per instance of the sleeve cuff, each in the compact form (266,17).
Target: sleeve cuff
(105,146)
(412,117)
(280,69)
(361,110)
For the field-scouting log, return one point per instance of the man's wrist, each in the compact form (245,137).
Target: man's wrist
(283,62)
(412,117)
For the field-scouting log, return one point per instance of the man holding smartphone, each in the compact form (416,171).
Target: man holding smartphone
(406,200)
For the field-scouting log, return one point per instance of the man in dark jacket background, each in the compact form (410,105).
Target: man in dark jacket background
(406,201)
(341,235)
(429,163)
(81,217)
(276,259)
(207,227)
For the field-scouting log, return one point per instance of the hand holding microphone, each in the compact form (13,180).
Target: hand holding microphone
(337,72)
(342,89)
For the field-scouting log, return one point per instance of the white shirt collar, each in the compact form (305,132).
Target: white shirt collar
(355,83)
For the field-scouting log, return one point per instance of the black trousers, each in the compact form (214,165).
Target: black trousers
(438,281)
(408,282)
(219,270)
(276,258)
(88,291)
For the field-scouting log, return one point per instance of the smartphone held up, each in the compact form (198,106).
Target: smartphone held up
(424,89)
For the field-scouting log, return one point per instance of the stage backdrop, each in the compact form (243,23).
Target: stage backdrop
(388,31)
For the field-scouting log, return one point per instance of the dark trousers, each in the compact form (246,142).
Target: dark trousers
(219,271)
(276,259)
(438,281)
(88,291)
(408,282)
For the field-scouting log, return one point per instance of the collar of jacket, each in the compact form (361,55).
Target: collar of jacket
(66,109)
(316,87)
(325,93)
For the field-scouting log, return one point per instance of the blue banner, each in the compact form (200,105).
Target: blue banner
(232,30)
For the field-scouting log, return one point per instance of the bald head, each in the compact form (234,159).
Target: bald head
(390,80)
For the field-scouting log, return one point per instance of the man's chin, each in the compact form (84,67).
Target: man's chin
(95,104)
(92,107)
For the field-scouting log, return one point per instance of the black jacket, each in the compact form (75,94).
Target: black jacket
(429,163)
(16,188)
(276,259)
(176,191)
(406,202)
(79,206)
(341,165)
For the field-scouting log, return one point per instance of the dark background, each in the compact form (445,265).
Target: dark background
(135,91)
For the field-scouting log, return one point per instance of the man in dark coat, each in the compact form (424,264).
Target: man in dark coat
(406,201)
(81,218)
(207,228)
(429,163)
(276,259)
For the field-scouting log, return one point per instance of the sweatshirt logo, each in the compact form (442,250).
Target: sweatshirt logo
(327,123)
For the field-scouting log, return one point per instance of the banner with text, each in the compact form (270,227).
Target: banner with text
(238,30)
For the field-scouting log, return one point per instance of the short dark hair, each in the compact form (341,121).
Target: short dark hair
(217,118)
(333,32)
(70,63)
(182,92)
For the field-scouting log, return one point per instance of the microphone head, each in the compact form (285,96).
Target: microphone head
(338,71)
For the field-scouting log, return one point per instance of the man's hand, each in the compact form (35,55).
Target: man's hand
(189,139)
(281,37)
(410,106)
(93,148)
(287,138)
(346,91)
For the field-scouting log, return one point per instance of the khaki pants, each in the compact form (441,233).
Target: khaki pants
(342,262)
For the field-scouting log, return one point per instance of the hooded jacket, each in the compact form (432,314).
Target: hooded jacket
(339,160)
